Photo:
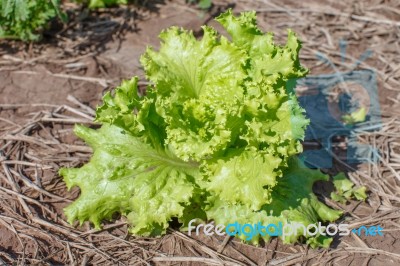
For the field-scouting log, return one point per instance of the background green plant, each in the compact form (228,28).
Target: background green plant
(102,3)
(25,20)
(203,4)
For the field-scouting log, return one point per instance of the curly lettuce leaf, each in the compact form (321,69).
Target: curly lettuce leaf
(293,201)
(249,173)
(198,90)
(186,68)
(134,113)
(270,62)
(130,177)
(118,109)
(345,189)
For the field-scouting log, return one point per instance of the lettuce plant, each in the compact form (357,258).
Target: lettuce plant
(214,138)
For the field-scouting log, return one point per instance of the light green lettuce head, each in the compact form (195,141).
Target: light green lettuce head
(213,134)
(226,106)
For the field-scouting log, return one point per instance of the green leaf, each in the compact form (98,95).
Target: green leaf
(21,10)
(198,90)
(271,63)
(106,3)
(360,193)
(200,67)
(355,117)
(96,3)
(338,198)
(63,16)
(119,109)
(345,191)
(26,20)
(7,7)
(129,177)
(293,201)
(205,4)
(342,183)
(249,173)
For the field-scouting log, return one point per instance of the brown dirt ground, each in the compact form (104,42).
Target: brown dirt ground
(46,87)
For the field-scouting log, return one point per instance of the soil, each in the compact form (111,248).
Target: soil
(74,69)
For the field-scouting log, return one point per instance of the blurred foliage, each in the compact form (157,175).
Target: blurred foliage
(203,4)
(26,20)
(92,4)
